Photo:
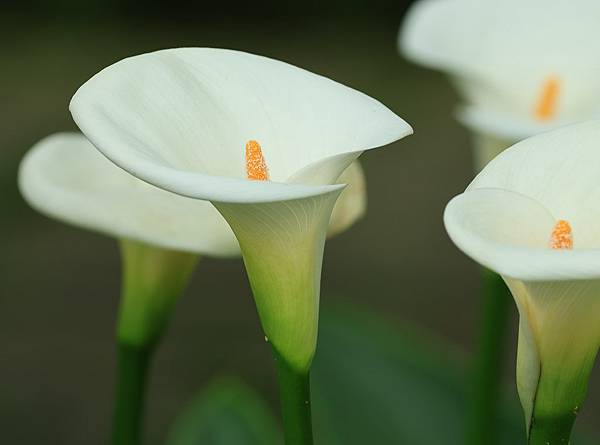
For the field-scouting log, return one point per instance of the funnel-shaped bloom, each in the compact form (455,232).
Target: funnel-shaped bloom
(65,177)
(160,235)
(523,66)
(264,141)
(532,216)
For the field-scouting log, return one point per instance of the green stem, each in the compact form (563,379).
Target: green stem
(153,280)
(487,372)
(132,371)
(294,389)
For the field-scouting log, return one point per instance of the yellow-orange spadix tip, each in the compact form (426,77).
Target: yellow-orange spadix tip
(562,235)
(547,102)
(256,167)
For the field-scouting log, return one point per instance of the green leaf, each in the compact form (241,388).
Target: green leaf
(375,383)
(227,412)
(372,383)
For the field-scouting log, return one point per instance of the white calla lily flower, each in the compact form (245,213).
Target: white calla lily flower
(65,177)
(160,233)
(532,216)
(264,141)
(523,67)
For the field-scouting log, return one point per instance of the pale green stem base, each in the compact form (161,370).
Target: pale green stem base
(488,366)
(294,389)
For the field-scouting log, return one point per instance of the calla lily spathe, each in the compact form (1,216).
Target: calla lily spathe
(523,67)
(506,220)
(160,235)
(180,118)
(65,177)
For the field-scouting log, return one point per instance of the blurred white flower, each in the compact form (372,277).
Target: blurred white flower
(264,141)
(523,67)
(532,216)
(65,177)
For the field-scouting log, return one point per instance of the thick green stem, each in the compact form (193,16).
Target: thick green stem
(132,371)
(487,372)
(294,389)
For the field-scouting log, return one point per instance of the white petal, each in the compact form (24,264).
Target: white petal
(65,177)
(504,125)
(510,233)
(504,51)
(432,31)
(180,119)
(560,170)
(352,203)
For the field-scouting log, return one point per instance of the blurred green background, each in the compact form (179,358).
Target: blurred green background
(59,285)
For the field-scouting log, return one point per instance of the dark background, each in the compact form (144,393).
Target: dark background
(59,285)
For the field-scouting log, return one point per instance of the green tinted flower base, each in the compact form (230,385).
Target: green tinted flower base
(553,417)
(294,389)
(552,430)
(132,369)
(488,366)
